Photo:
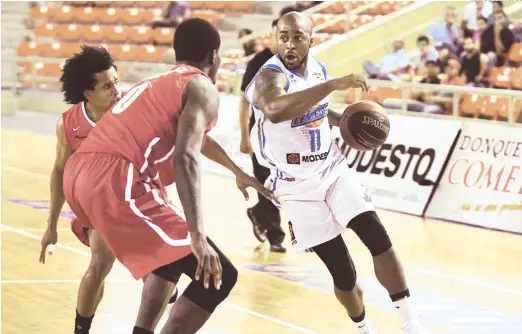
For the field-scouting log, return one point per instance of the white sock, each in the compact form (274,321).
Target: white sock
(365,327)
(406,311)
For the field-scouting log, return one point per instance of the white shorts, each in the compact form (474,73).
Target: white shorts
(321,207)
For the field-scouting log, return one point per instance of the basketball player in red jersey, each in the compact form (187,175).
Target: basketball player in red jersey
(113,184)
(90,82)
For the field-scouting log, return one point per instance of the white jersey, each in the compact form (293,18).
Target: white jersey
(300,148)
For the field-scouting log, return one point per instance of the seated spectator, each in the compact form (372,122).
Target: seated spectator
(444,55)
(497,39)
(390,65)
(433,102)
(498,6)
(475,9)
(474,64)
(483,25)
(426,52)
(432,73)
(175,13)
(447,31)
(249,47)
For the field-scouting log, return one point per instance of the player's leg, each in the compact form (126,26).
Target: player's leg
(91,287)
(336,257)
(154,297)
(313,226)
(196,305)
(387,266)
(253,212)
(350,203)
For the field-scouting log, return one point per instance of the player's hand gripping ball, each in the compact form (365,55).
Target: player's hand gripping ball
(364,125)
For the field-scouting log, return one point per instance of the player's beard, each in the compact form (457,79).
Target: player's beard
(293,67)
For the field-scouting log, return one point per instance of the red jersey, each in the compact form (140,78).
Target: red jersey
(142,126)
(76,125)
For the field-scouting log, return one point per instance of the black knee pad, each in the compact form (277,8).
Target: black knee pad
(336,257)
(372,233)
(210,298)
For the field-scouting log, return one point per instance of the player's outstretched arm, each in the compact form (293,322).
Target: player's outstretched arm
(63,152)
(216,153)
(278,106)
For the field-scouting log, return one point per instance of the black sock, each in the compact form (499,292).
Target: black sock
(398,296)
(139,330)
(359,318)
(82,325)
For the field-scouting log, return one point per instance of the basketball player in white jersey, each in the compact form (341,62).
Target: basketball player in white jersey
(310,177)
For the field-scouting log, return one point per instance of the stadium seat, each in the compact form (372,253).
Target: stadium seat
(109,16)
(515,53)
(471,105)
(499,77)
(163,35)
(116,34)
(27,49)
(516,78)
(140,34)
(495,106)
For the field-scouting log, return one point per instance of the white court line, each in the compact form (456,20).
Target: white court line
(43,229)
(422,270)
(228,304)
(466,280)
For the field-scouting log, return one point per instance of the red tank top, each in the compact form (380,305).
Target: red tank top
(141,127)
(77,125)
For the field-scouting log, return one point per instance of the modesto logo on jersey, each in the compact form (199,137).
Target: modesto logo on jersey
(400,174)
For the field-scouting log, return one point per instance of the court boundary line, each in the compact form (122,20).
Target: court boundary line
(225,303)
(418,269)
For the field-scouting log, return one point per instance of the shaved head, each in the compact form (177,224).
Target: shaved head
(294,39)
(296,20)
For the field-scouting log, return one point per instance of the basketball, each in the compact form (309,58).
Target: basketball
(364,125)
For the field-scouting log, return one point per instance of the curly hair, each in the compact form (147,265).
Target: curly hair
(79,70)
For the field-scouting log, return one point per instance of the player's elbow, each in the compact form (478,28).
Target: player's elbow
(274,114)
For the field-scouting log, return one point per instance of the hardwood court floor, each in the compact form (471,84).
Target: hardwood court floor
(463,279)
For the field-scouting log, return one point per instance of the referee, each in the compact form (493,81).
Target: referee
(265,217)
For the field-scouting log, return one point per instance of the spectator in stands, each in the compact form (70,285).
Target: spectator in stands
(249,47)
(432,73)
(434,102)
(175,13)
(391,65)
(475,9)
(482,25)
(474,64)
(264,215)
(426,52)
(447,31)
(444,55)
(497,39)
(498,6)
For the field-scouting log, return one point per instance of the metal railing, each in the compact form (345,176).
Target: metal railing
(232,86)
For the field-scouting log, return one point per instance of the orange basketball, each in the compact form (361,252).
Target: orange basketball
(364,125)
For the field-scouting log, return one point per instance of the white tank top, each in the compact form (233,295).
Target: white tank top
(300,148)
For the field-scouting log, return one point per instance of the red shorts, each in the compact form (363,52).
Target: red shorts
(80,231)
(131,213)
